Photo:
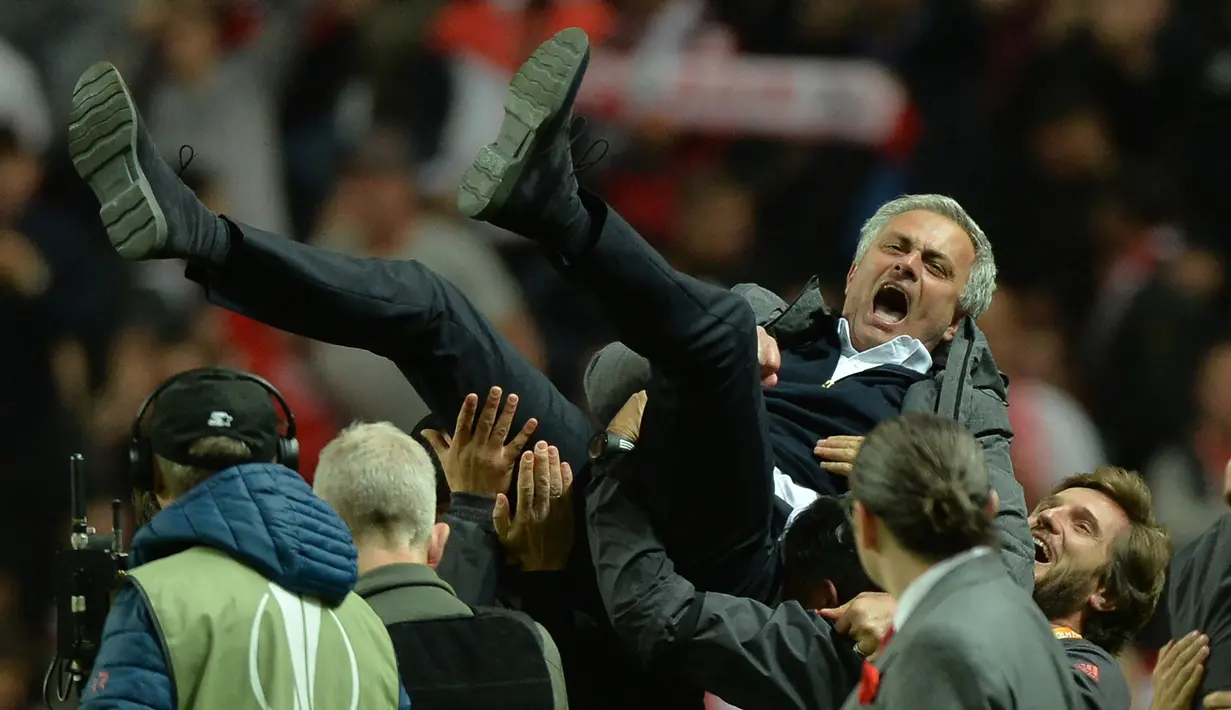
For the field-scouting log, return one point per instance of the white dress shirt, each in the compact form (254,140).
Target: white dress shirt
(903,351)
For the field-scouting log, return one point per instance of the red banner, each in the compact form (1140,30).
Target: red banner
(845,100)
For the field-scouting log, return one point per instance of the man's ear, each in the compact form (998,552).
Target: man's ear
(159,484)
(864,523)
(1099,601)
(1227,483)
(829,595)
(951,331)
(436,546)
(850,274)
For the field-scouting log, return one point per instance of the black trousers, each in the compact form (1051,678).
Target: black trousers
(704,458)
(400,310)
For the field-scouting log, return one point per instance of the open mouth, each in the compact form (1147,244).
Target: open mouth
(891,304)
(1042,553)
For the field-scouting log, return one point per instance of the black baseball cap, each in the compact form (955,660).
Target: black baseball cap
(213,403)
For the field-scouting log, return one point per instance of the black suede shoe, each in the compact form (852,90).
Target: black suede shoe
(148,212)
(524,181)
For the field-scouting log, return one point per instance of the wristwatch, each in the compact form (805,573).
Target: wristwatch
(606,443)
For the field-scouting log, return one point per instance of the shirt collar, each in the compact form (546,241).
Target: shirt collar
(400,574)
(903,351)
(918,589)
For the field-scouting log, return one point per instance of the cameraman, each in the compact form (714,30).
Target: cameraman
(240,592)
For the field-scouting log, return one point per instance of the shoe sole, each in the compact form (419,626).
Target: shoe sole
(542,87)
(102,141)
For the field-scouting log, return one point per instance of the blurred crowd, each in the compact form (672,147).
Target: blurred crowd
(1086,136)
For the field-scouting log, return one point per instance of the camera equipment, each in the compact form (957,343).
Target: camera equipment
(86,575)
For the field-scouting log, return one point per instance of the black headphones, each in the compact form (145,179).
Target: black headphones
(140,455)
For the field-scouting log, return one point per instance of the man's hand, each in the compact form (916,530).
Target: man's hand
(1217,701)
(22,266)
(768,356)
(837,453)
(1181,665)
(477,460)
(866,618)
(627,421)
(540,533)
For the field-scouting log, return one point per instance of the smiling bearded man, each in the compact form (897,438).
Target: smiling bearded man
(1100,566)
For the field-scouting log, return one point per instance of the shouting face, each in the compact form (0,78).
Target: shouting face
(909,281)
(1073,532)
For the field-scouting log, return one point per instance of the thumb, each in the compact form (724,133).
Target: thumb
(500,516)
(436,441)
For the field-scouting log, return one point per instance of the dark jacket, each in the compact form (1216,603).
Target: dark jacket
(264,516)
(472,558)
(1199,599)
(965,384)
(749,654)
(401,593)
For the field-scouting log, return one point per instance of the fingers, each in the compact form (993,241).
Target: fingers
(1195,672)
(525,485)
(1190,655)
(840,617)
(1181,666)
(832,614)
(487,418)
(841,441)
(1218,701)
(542,481)
(519,440)
(566,478)
(504,422)
(867,644)
(465,419)
(831,450)
(555,477)
(838,469)
(838,453)
(1179,654)
(500,516)
(768,356)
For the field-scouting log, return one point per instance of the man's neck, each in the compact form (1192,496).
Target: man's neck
(1072,621)
(901,572)
(375,556)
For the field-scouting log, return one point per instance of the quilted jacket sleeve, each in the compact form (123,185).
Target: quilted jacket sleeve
(131,670)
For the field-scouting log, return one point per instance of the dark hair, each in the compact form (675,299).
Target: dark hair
(819,546)
(1134,577)
(444,495)
(924,476)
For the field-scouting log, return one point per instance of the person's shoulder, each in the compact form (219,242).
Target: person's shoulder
(1198,590)
(996,603)
(1209,552)
(1097,673)
(958,646)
